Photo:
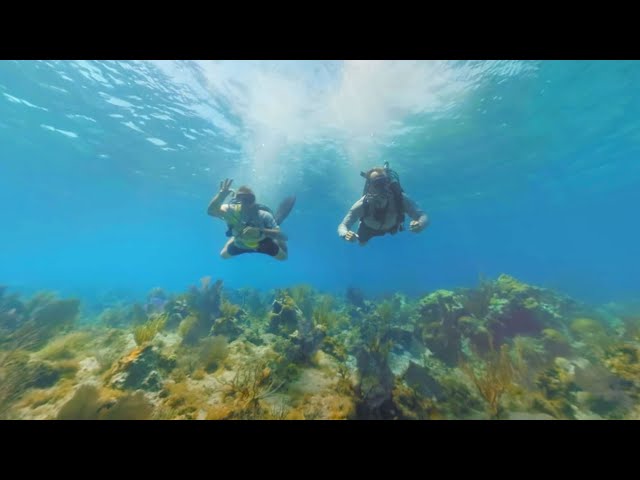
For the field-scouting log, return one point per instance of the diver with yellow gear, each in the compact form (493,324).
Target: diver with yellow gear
(253,228)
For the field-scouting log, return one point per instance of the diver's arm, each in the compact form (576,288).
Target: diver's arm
(274,233)
(215,205)
(354,213)
(421,220)
(269,228)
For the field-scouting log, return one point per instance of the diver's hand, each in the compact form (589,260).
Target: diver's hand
(350,236)
(415,226)
(250,232)
(225,186)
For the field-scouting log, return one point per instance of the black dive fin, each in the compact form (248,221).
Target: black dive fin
(285,209)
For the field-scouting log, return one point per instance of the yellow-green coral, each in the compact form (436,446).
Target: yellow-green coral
(83,405)
(133,406)
(213,352)
(631,327)
(328,406)
(528,353)
(324,315)
(64,348)
(458,398)
(336,348)
(219,412)
(13,378)
(497,376)
(509,285)
(89,403)
(67,368)
(624,361)
(449,324)
(187,326)
(251,383)
(558,408)
(476,301)
(302,295)
(386,312)
(228,310)
(147,332)
(475,330)
(414,406)
(555,342)
(556,384)
(185,401)
(586,328)
(51,315)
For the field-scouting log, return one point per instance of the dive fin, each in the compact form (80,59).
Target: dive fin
(285,209)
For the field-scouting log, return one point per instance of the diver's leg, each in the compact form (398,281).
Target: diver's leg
(365,233)
(231,250)
(224,253)
(273,248)
(283,252)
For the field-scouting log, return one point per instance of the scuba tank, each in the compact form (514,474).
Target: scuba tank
(396,191)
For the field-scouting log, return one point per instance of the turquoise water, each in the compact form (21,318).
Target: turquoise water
(525,167)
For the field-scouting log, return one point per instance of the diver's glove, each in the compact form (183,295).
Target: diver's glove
(251,233)
(350,236)
(416,226)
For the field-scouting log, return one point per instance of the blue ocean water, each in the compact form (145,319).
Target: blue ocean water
(524,167)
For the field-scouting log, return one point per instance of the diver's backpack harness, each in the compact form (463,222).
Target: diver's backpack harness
(233,203)
(396,191)
(283,211)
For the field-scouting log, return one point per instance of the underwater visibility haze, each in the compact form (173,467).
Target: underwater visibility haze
(518,300)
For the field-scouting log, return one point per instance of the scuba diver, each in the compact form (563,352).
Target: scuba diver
(381,209)
(253,227)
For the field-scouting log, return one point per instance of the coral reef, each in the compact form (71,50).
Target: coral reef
(88,404)
(143,368)
(501,350)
